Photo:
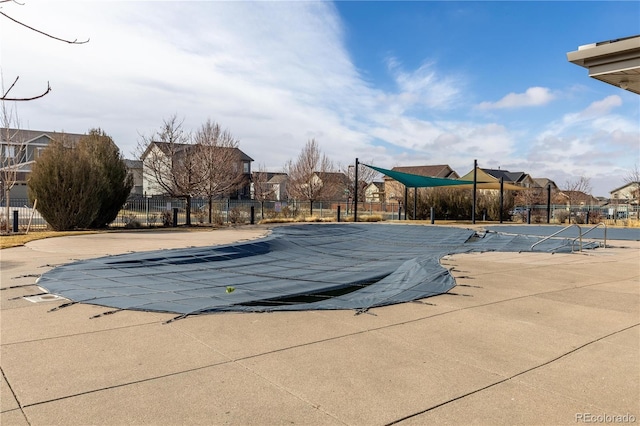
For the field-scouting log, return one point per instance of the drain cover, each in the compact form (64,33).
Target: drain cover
(44,298)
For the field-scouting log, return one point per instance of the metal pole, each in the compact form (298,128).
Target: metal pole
(16,228)
(475,185)
(415,202)
(338,212)
(406,198)
(548,203)
(355,195)
(501,197)
(433,216)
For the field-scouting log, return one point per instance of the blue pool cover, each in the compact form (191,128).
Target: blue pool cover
(300,267)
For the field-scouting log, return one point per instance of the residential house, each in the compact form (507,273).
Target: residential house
(628,193)
(19,150)
(374,192)
(394,190)
(336,185)
(516,178)
(135,171)
(157,150)
(575,198)
(544,182)
(279,186)
(271,185)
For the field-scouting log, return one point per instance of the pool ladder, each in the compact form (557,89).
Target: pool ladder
(579,237)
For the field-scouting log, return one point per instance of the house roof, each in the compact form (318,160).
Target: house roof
(334,176)
(440,170)
(616,62)
(579,196)
(486,181)
(636,183)
(166,148)
(515,177)
(543,182)
(27,136)
(279,178)
(133,164)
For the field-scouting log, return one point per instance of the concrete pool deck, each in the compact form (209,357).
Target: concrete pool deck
(525,338)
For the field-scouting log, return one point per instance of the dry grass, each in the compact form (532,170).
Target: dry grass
(16,240)
(8,241)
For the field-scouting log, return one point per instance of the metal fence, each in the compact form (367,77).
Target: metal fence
(150,212)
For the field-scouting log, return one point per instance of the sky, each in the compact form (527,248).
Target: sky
(389,83)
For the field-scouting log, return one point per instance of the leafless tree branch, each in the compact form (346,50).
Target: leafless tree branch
(44,33)
(5,96)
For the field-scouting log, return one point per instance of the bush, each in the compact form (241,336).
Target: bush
(80,185)
(131,222)
(236,216)
(167,218)
(561,215)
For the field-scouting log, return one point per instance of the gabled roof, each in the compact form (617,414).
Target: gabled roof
(378,185)
(579,196)
(543,182)
(515,177)
(179,147)
(133,164)
(278,178)
(485,181)
(28,136)
(337,177)
(440,171)
(628,184)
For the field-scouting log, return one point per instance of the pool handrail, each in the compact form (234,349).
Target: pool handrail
(591,229)
(560,231)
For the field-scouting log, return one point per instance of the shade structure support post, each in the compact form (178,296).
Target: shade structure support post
(406,198)
(415,202)
(475,186)
(501,197)
(548,203)
(355,194)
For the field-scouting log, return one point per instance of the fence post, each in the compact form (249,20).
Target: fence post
(529,216)
(433,216)
(175,217)
(253,215)
(15,221)
(338,212)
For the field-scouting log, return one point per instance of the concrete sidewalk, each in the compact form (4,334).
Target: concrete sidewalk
(527,338)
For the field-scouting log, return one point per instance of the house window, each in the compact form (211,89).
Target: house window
(245,168)
(9,151)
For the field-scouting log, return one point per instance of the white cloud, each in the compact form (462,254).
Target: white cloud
(534,96)
(424,87)
(276,74)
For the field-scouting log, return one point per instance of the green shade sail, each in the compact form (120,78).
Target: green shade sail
(416,181)
(483,180)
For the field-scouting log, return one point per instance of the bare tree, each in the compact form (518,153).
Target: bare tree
(575,191)
(366,175)
(633,177)
(13,155)
(305,182)
(171,163)
(261,189)
(220,161)
(5,93)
